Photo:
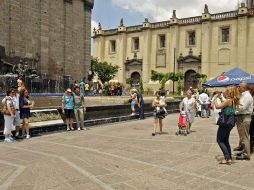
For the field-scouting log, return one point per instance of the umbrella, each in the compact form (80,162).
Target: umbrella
(232,77)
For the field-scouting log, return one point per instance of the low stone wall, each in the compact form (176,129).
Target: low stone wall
(106,113)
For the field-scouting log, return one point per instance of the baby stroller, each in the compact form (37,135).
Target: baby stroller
(183,124)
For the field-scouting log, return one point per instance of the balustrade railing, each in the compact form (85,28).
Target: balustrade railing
(251,11)
(111,31)
(160,24)
(134,28)
(183,21)
(190,20)
(225,15)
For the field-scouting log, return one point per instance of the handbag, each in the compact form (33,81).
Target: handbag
(5,110)
(161,111)
(227,119)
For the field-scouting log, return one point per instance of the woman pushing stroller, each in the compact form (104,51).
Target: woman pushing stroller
(188,105)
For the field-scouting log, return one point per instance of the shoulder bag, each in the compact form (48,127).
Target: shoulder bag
(227,119)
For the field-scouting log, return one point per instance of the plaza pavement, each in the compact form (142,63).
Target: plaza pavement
(124,156)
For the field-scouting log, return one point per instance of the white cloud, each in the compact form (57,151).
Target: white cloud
(159,10)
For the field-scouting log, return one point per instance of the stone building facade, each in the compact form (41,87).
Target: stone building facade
(209,44)
(56,31)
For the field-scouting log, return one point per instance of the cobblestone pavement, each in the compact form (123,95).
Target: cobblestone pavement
(124,156)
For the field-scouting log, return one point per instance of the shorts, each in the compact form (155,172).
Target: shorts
(69,113)
(17,121)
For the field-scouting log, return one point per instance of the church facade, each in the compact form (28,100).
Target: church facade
(209,44)
(56,33)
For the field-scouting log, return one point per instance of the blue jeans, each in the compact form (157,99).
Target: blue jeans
(223,141)
(204,108)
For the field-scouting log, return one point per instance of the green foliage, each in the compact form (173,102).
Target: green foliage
(157,76)
(179,86)
(129,80)
(141,86)
(105,71)
(164,77)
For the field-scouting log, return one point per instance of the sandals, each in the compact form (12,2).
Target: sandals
(227,162)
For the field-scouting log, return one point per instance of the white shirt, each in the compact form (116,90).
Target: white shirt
(246,103)
(203,98)
(188,104)
(214,102)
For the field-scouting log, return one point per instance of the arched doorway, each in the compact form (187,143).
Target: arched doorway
(188,80)
(135,76)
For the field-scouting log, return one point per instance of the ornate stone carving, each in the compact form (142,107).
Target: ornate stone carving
(99,26)
(206,11)
(121,22)
(174,14)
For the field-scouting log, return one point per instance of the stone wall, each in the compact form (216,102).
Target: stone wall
(58,31)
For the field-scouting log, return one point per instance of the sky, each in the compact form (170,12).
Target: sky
(134,12)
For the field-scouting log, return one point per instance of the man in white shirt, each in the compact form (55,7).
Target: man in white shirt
(204,100)
(243,121)
(16,121)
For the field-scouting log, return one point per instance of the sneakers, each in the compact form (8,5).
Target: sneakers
(68,129)
(72,128)
(8,140)
(79,129)
(28,136)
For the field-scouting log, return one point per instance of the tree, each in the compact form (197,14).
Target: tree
(161,77)
(176,77)
(164,77)
(105,71)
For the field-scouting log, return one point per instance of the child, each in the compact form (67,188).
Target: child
(162,102)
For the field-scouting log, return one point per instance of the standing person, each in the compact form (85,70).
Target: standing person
(141,105)
(16,121)
(217,99)
(243,121)
(9,115)
(159,115)
(82,87)
(204,100)
(251,89)
(232,96)
(188,105)
(25,106)
(133,99)
(79,108)
(68,108)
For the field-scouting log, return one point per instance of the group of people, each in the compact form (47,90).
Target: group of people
(236,100)
(109,89)
(73,106)
(17,107)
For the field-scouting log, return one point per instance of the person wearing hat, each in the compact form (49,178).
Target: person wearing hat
(68,108)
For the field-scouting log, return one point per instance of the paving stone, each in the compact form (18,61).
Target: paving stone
(124,156)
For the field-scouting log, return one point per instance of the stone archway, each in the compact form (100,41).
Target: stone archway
(188,81)
(135,76)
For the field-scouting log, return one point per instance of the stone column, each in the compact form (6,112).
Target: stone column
(44,37)
(147,45)
(87,46)
(206,44)
(173,46)
(121,47)
(242,30)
